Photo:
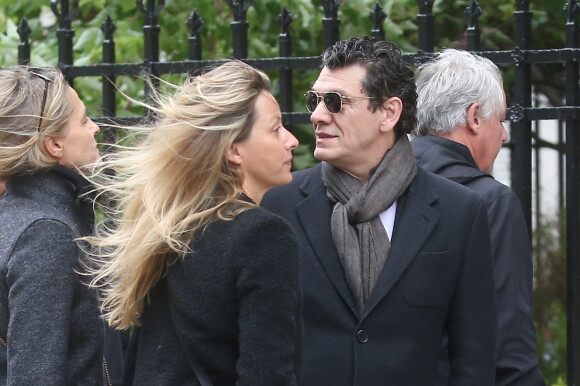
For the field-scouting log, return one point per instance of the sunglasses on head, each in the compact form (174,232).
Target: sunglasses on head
(332,100)
(47,80)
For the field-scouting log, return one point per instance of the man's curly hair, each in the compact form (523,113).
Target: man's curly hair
(387,75)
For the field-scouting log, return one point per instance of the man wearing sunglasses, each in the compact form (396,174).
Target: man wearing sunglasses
(459,133)
(391,256)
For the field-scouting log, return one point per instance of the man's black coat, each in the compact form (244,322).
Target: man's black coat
(438,276)
(517,358)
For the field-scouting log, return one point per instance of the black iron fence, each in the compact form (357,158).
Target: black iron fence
(521,112)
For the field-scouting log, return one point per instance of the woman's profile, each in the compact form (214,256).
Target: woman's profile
(190,258)
(50,331)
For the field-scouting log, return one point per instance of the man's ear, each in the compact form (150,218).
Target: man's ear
(54,147)
(233,155)
(392,109)
(474,118)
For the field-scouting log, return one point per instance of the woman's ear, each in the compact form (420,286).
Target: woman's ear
(53,147)
(234,156)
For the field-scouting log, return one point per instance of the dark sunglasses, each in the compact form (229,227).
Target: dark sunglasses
(47,80)
(332,100)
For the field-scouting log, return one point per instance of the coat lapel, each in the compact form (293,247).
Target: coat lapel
(314,214)
(414,222)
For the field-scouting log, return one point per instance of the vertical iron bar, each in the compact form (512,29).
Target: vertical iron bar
(194,22)
(240,27)
(426,24)
(109,105)
(561,168)
(473,13)
(537,184)
(151,42)
(573,201)
(65,33)
(330,22)
(378,17)
(109,91)
(521,128)
(151,29)
(285,49)
(24,44)
(109,101)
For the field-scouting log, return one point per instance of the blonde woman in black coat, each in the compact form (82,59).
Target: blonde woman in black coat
(192,260)
(50,332)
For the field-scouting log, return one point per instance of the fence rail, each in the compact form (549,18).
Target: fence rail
(521,113)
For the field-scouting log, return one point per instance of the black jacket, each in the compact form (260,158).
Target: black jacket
(237,294)
(49,318)
(517,361)
(438,276)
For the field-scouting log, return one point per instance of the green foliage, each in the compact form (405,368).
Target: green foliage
(550,296)
(552,344)
(561,381)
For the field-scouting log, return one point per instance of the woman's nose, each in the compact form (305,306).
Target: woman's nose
(291,141)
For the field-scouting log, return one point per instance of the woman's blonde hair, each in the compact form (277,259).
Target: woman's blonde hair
(172,184)
(24,123)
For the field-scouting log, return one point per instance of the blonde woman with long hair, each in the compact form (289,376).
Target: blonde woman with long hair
(191,259)
(50,331)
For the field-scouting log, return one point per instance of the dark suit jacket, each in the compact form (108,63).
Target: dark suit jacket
(438,276)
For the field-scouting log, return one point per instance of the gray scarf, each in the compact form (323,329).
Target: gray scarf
(360,238)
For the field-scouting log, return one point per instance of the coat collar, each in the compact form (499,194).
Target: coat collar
(55,186)
(446,157)
(414,222)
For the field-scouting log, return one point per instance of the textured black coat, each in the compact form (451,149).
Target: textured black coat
(237,295)
(517,360)
(49,321)
(438,276)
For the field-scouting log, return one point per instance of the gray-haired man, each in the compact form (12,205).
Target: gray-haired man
(461,107)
